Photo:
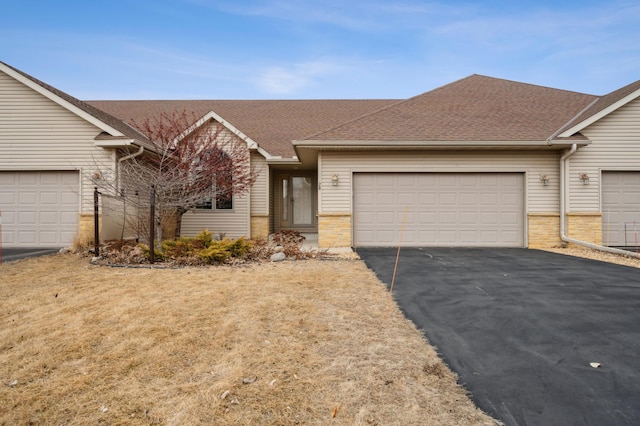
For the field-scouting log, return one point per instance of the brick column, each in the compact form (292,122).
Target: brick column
(334,230)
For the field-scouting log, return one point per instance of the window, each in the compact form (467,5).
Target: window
(222,182)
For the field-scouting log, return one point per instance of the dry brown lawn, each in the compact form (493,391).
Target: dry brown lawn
(306,342)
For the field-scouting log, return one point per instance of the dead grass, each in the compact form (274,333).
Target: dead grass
(287,343)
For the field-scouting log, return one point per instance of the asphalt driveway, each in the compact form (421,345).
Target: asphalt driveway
(522,327)
(11,254)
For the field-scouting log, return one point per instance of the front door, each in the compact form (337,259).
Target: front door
(297,201)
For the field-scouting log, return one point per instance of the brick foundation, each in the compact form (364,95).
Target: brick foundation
(585,227)
(334,230)
(544,230)
(260,226)
(85,228)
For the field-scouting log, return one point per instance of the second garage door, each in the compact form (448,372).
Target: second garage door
(621,209)
(39,209)
(439,209)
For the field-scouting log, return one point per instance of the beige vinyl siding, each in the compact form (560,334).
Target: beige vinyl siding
(38,134)
(538,198)
(231,223)
(615,145)
(260,189)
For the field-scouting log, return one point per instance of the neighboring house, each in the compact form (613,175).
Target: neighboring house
(51,147)
(479,162)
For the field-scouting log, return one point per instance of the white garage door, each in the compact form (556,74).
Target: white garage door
(621,208)
(439,209)
(39,209)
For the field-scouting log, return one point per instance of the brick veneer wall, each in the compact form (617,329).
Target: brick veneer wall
(585,227)
(85,228)
(334,230)
(260,226)
(544,230)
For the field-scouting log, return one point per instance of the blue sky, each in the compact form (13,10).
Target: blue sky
(316,49)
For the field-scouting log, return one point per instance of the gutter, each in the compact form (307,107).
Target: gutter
(563,221)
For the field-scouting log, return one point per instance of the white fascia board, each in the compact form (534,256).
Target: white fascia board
(608,110)
(280,160)
(328,144)
(57,99)
(251,144)
(115,143)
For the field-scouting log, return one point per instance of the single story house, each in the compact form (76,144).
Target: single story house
(478,162)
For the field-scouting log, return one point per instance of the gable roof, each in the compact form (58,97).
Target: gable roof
(272,124)
(476,108)
(600,108)
(113,128)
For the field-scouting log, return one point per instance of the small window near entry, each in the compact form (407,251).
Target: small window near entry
(223,202)
(205,204)
(285,199)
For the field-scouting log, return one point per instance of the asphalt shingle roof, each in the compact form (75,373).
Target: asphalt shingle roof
(273,124)
(476,108)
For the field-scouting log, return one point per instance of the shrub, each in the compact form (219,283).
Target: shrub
(205,237)
(204,249)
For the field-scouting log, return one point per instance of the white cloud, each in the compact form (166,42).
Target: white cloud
(278,80)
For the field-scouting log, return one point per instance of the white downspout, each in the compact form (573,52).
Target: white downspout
(564,182)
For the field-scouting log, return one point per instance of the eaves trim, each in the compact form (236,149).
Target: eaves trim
(331,144)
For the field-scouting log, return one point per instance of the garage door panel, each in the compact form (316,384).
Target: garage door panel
(447,217)
(468,218)
(27,238)
(69,199)
(405,198)
(426,198)
(27,198)
(27,178)
(427,180)
(48,237)
(27,218)
(490,199)
(39,209)
(489,218)
(447,199)
(427,217)
(7,198)
(469,198)
(49,197)
(48,218)
(620,208)
(71,220)
(451,209)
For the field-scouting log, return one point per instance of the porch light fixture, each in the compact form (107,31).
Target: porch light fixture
(544,179)
(584,177)
(334,180)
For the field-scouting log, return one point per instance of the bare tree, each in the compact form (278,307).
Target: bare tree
(196,164)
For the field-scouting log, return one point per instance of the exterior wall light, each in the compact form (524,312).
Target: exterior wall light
(544,179)
(334,180)
(584,177)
